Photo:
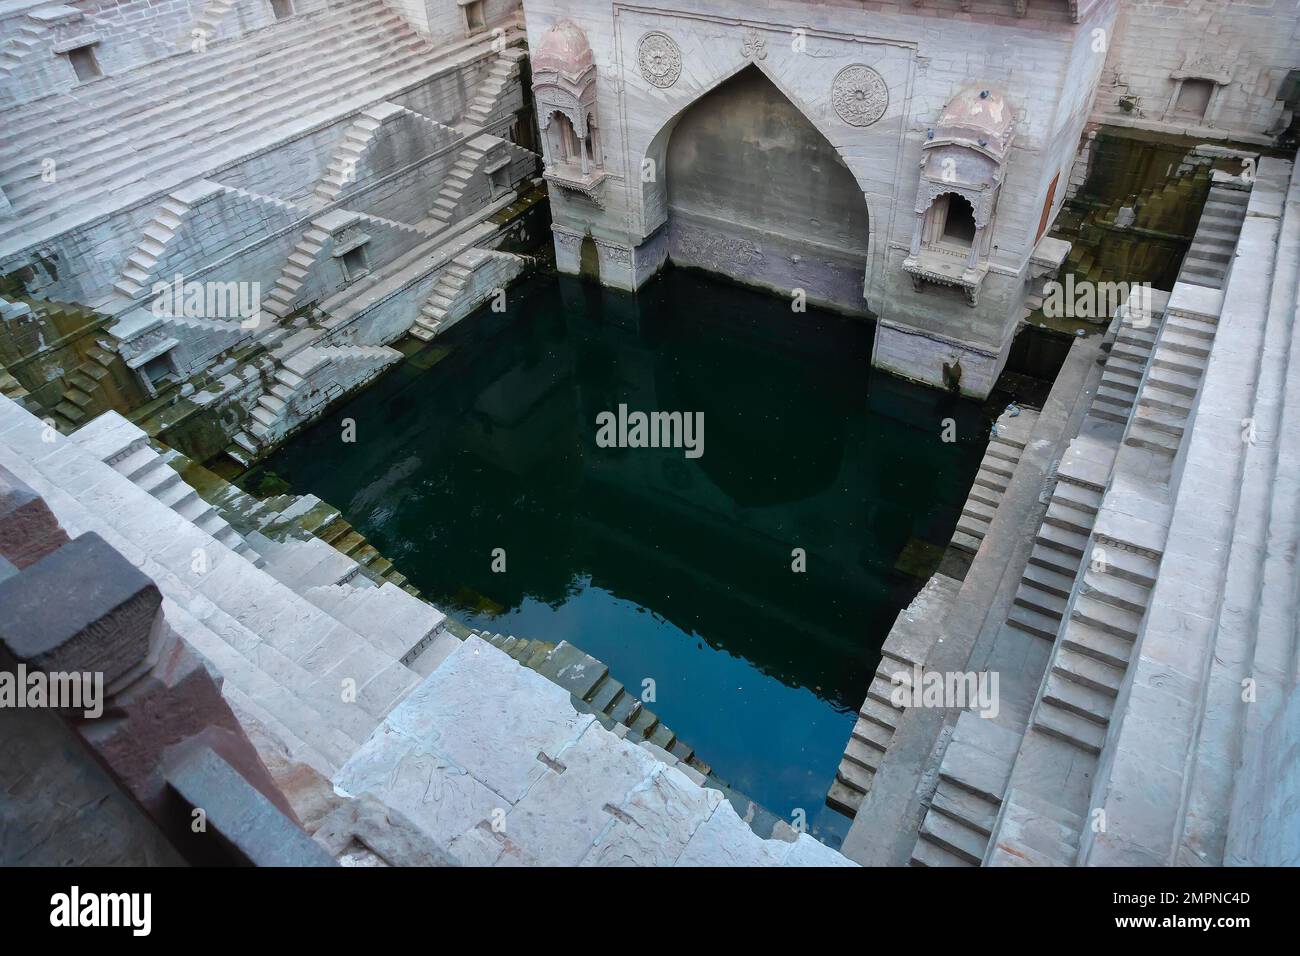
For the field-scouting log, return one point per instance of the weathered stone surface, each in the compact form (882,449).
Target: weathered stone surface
(528,715)
(82,608)
(439,796)
(725,840)
(566,809)
(237,817)
(381,829)
(654,824)
(28,530)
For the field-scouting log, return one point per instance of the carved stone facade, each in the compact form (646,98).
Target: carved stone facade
(868,83)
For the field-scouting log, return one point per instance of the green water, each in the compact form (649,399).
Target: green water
(666,568)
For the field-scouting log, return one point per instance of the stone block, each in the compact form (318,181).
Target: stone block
(83,608)
(241,824)
(28,529)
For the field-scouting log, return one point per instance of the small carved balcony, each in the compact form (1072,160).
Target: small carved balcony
(571,178)
(942,267)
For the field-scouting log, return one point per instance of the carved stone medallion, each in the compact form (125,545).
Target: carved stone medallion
(859,95)
(660,59)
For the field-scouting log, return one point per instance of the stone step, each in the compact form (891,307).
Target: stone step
(1086,500)
(1089,671)
(1107,617)
(964,807)
(1137,568)
(1070,727)
(1159,419)
(1055,560)
(957,838)
(1061,513)
(882,714)
(844,799)
(1078,699)
(1045,602)
(1093,642)
(1062,539)
(1142,436)
(854,776)
(1033,622)
(872,734)
(932,855)
(1115,590)
(1049,580)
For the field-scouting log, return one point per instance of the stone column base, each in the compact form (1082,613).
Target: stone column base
(621,266)
(934,360)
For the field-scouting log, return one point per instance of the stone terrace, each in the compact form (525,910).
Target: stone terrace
(291,627)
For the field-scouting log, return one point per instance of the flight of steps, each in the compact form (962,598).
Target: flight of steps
(449,286)
(266,524)
(1036,832)
(111,135)
(148,470)
(1210,254)
(1126,362)
(20,45)
(279,302)
(140,265)
(282,660)
(968,795)
(466,166)
(82,396)
(1168,392)
(489,92)
(207,23)
(913,634)
(324,372)
(1006,443)
(590,681)
(877,720)
(344,164)
(1088,665)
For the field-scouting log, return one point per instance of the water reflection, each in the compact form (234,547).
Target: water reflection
(671,570)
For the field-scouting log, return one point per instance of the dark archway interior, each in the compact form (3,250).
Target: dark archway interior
(744,154)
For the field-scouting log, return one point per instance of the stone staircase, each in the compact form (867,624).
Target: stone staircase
(110,135)
(590,681)
(968,796)
(1006,442)
(342,167)
(142,264)
(207,23)
(482,108)
(1106,603)
(148,470)
(283,660)
(906,646)
(279,302)
(306,381)
(445,292)
(83,395)
(27,38)
(447,203)
(1168,391)
(1210,253)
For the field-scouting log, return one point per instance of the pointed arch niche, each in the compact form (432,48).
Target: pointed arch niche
(963,164)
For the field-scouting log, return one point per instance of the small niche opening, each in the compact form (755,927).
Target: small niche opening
(282,9)
(84,63)
(1194,98)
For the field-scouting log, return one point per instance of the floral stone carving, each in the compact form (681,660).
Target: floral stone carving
(859,95)
(660,59)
